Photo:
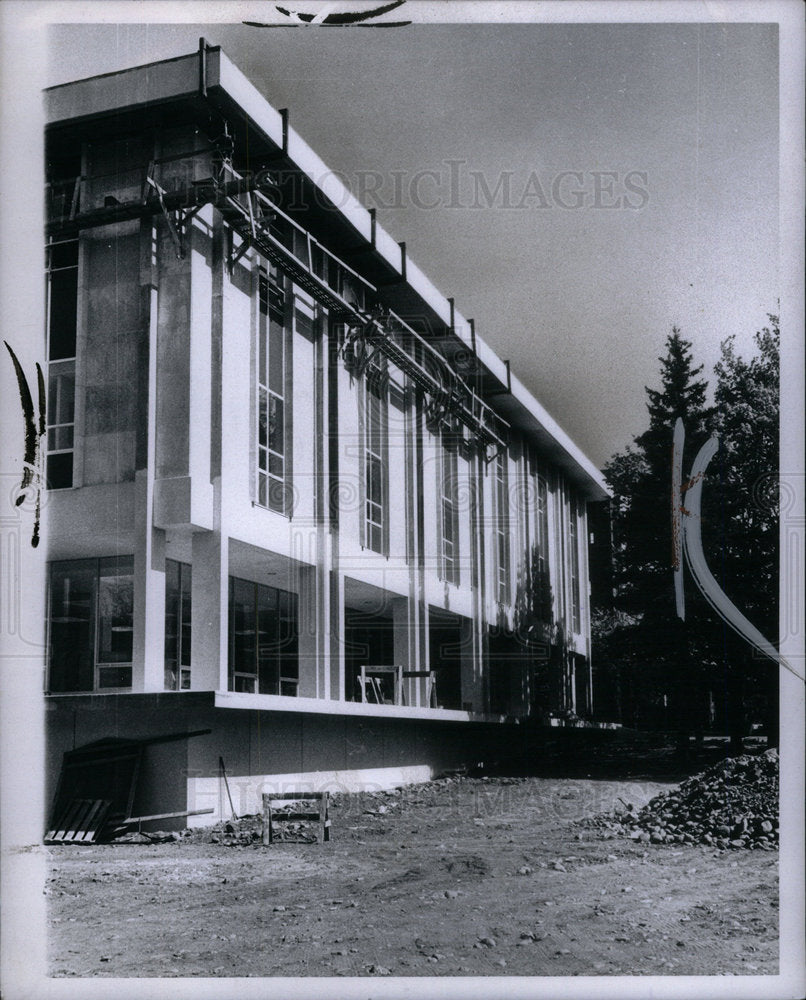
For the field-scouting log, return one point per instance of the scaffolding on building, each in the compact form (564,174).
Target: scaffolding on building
(249,206)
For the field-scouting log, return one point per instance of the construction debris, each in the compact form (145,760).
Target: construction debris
(731,805)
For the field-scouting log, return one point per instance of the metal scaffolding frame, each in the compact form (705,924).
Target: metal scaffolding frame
(262,225)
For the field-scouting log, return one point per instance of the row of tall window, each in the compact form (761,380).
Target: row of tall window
(91,619)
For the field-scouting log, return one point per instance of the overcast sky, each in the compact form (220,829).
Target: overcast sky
(675,123)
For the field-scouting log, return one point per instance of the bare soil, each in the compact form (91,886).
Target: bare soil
(461,877)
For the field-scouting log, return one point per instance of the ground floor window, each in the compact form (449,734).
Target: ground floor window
(91,618)
(178,581)
(263,643)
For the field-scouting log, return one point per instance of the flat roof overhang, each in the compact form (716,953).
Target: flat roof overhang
(207,88)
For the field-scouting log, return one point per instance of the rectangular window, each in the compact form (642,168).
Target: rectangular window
(272,464)
(263,657)
(115,622)
(63,187)
(448,506)
(178,584)
(72,625)
(62,310)
(375,460)
(501,529)
(573,561)
(91,624)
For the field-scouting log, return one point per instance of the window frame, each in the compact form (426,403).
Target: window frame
(184,596)
(503,555)
(448,520)
(375,459)
(284,680)
(59,368)
(119,566)
(272,477)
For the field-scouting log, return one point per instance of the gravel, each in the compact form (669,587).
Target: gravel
(733,804)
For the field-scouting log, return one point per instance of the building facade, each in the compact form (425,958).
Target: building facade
(293,496)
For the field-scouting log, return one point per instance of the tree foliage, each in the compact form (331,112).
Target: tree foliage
(687,666)
(742,497)
(640,479)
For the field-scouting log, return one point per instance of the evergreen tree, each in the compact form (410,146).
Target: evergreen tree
(661,659)
(641,482)
(670,665)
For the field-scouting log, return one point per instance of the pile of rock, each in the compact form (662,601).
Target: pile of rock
(732,804)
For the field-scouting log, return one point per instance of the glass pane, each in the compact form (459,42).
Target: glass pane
(375,538)
(114,677)
(262,419)
(277,496)
(268,670)
(374,441)
(63,303)
(71,603)
(374,480)
(276,425)
(59,471)
(60,438)
(447,521)
(186,617)
(115,618)
(243,627)
(64,254)
(262,489)
(276,334)
(61,394)
(172,604)
(276,465)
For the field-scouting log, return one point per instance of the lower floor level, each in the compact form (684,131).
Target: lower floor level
(212,754)
(201,613)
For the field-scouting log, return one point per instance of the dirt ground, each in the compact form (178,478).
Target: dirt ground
(465,876)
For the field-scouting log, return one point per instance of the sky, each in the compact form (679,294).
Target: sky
(579,189)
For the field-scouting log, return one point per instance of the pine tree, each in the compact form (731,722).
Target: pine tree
(660,658)
(668,668)
(641,481)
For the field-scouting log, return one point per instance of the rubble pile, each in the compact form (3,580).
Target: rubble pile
(733,804)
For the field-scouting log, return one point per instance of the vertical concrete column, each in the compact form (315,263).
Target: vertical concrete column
(210,602)
(335,635)
(148,640)
(314,579)
(148,654)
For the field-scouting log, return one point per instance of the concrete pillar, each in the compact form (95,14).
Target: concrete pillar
(210,603)
(148,653)
(335,635)
(148,640)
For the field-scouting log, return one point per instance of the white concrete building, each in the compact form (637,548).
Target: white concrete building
(293,495)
